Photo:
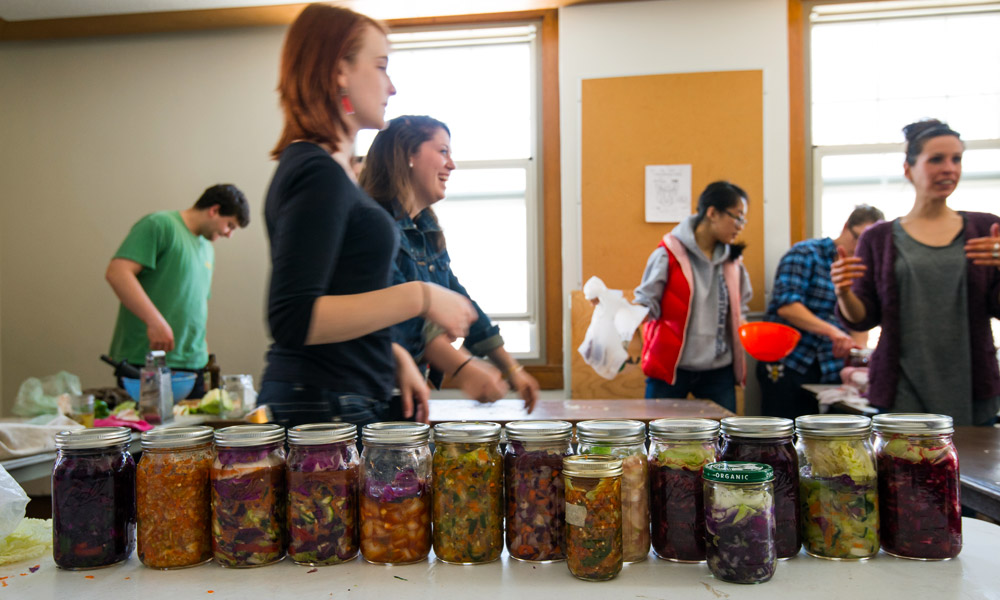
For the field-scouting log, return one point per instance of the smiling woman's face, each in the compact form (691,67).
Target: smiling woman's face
(938,167)
(432,165)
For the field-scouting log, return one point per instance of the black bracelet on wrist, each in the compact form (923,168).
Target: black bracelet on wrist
(461,366)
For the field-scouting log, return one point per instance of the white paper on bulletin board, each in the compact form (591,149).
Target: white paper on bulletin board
(668,193)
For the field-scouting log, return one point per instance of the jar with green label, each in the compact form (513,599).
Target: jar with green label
(739,521)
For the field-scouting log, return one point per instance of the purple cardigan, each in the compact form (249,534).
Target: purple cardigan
(879,292)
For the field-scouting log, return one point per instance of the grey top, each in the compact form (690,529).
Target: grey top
(707,343)
(935,362)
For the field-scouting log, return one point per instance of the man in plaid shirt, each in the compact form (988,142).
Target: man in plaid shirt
(803,297)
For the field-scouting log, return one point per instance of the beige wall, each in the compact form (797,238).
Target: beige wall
(95,133)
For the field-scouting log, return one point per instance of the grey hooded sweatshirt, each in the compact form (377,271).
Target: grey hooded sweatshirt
(707,343)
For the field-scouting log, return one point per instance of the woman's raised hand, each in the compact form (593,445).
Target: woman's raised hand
(845,270)
(985,251)
(452,311)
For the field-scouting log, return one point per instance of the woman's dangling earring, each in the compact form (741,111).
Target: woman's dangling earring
(345,102)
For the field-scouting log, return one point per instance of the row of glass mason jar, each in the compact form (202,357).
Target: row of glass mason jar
(241,502)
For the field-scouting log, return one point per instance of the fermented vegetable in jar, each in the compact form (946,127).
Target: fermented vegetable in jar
(323,478)
(837,486)
(249,496)
(395,492)
(679,449)
(536,505)
(918,487)
(174,497)
(468,492)
(624,439)
(739,521)
(93,498)
(593,516)
(768,440)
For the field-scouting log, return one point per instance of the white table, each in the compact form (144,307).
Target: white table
(974,575)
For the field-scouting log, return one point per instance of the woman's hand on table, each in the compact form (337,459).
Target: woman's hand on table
(413,388)
(526,386)
(481,381)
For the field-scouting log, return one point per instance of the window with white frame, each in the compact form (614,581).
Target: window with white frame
(481,82)
(877,66)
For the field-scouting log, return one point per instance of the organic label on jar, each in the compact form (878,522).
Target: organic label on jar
(576,515)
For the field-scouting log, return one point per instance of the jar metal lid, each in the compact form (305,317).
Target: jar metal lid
(592,465)
(538,431)
(177,437)
(738,472)
(396,432)
(315,434)
(239,436)
(916,423)
(467,432)
(99,437)
(611,431)
(684,429)
(833,425)
(757,427)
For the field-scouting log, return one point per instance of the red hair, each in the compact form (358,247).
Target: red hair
(320,38)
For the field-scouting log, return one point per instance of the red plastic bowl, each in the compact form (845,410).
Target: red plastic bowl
(769,342)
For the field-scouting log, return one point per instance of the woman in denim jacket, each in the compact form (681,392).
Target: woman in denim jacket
(406,171)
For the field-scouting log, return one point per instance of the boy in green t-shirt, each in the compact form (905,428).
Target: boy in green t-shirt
(162,274)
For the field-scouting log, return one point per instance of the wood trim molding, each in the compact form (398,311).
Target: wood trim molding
(797,150)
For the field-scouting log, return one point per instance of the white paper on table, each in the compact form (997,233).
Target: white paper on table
(668,193)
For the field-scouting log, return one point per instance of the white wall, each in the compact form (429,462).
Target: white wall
(674,36)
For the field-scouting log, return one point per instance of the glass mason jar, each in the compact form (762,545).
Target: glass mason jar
(468,493)
(323,472)
(679,449)
(918,487)
(93,498)
(173,493)
(768,440)
(838,487)
(740,521)
(395,492)
(593,516)
(536,506)
(625,439)
(249,496)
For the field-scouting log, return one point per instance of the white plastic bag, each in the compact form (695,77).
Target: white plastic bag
(13,501)
(611,328)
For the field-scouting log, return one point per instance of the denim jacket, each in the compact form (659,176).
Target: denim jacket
(419,260)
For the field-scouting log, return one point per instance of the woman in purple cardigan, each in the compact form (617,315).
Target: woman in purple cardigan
(931,279)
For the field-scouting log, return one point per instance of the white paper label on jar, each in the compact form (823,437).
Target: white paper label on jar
(576,515)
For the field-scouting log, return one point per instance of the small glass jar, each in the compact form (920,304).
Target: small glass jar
(625,439)
(593,516)
(536,505)
(918,486)
(174,497)
(679,449)
(323,480)
(859,357)
(93,498)
(837,486)
(249,496)
(468,493)
(739,521)
(768,440)
(395,493)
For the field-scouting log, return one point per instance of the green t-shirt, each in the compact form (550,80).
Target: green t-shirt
(177,277)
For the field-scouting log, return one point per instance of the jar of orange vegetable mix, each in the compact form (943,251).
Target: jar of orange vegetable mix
(395,492)
(174,497)
(624,439)
(468,493)
(593,516)
(536,507)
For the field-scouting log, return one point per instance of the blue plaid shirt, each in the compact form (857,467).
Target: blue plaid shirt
(804,276)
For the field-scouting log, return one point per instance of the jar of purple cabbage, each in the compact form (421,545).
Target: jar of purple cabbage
(624,439)
(678,451)
(93,498)
(323,476)
(739,521)
(249,496)
(395,493)
(768,440)
(535,498)
(919,508)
